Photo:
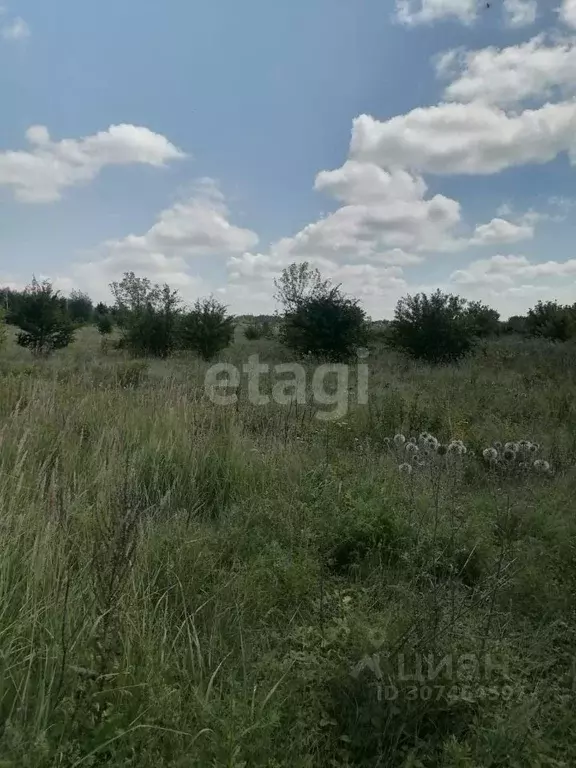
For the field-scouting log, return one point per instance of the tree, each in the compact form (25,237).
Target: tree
(327,325)
(435,328)
(552,321)
(80,307)
(147,315)
(206,329)
(297,283)
(41,316)
(484,320)
(104,325)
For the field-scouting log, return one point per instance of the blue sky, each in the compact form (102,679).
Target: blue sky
(208,145)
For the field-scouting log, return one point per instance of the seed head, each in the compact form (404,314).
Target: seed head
(399,439)
(509,454)
(490,454)
(405,469)
(498,445)
(511,446)
(541,466)
(411,448)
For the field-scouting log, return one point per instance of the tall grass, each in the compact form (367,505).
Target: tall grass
(183,584)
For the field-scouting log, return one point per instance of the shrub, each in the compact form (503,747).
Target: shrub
(253,332)
(206,329)
(435,328)
(552,321)
(328,326)
(80,308)
(147,315)
(43,321)
(484,321)
(104,325)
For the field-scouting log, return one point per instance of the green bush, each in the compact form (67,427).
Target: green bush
(330,326)
(207,329)
(43,321)
(104,325)
(552,321)
(435,328)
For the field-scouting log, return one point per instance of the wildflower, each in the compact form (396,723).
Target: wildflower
(432,443)
(412,440)
(490,454)
(524,445)
(423,437)
(399,439)
(387,442)
(509,454)
(541,466)
(498,445)
(405,469)
(533,448)
(411,448)
(511,447)
(453,447)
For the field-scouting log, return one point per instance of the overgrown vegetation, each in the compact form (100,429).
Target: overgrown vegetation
(207,329)
(41,316)
(190,584)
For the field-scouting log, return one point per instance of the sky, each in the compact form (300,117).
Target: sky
(398,146)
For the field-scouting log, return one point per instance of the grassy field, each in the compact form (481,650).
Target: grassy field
(184,584)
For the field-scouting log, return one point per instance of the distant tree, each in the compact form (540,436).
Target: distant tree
(259,329)
(552,321)
(41,316)
(101,309)
(435,328)
(147,314)
(80,307)
(297,283)
(484,321)
(515,324)
(206,329)
(325,324)
(104,325)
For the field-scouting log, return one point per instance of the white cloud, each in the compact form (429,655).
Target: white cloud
(507,76)
(40,174)
(510,270)
(520,13)
(501,231)
(16,29)
(188,230)
(474,138)
(568,13)
(412,12)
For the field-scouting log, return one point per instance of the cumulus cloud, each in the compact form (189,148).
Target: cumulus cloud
(501,231)
(40,174)
(198,226)
(413,12)
(16,29)
(511,270)
(520,13)
(474,138)
(507,76)
(568,13)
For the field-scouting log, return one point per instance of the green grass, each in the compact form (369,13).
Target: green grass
(183,584)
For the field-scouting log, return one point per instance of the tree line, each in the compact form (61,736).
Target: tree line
(317,319)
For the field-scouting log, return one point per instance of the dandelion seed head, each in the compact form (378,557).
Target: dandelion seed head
(405,469)
(490,453)
(498,445)
(399,439)
(411,448)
